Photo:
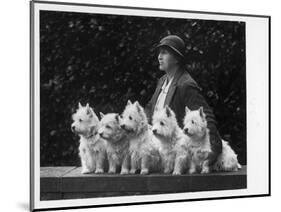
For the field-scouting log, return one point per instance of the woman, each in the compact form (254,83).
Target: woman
(177,89)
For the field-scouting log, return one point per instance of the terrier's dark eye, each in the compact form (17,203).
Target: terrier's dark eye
(80,120)
(107,126)
(130,117)
(161,123)
(121,116)
(192,122)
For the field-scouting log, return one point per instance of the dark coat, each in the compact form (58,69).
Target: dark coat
(184,91)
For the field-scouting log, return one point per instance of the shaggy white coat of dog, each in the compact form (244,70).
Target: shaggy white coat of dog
(92,149)
(227,160)
(117,143)
(143,150)
(195,126)
(173,142)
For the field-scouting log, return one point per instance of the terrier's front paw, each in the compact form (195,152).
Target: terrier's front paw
(86,171)
(205,170)
(124,171)
(176,172)
(192,171)
(144,171)
(111,171)
(133,171)
(99,171)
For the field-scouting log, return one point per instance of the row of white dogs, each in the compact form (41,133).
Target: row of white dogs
(128,143)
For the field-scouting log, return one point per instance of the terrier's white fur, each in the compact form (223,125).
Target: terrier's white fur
(143,150)
(92,150)
(195,126)
(117,143)
(227,160)
(173,142)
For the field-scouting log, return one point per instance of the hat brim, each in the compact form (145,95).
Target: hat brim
(171,47)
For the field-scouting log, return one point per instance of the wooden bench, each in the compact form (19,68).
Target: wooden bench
(69,183)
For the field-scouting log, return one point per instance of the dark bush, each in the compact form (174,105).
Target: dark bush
(107,59)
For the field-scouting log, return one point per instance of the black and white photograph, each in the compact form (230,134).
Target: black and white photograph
(142,105)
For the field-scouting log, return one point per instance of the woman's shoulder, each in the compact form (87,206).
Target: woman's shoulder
(187,81)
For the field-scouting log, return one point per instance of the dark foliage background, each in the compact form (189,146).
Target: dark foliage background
(107,59)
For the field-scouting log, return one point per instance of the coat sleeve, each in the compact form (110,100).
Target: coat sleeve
(193,99)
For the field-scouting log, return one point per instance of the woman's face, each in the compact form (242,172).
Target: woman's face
(167,60)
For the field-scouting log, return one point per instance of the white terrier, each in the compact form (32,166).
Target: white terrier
(92,149)
(173,142)
(117,143)
(195,126)
(143,150)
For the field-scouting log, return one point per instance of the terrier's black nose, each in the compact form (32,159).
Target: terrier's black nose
(123,126)
(101,134)
(186,130)
(72,128)
(154,131)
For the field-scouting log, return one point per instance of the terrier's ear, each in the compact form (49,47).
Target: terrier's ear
(117,118)
(168,111)
(187,110)
(201,112)
(138,106)
(91,112)
(129,102)
(101,115)
(88,111)
(79,105)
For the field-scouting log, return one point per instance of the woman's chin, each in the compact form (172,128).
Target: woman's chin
(161,68)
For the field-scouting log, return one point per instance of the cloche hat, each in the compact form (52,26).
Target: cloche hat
(174,42)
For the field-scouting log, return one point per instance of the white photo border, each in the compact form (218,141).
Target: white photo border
(258,106)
